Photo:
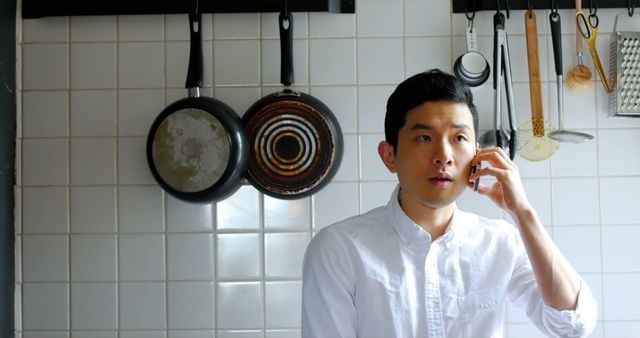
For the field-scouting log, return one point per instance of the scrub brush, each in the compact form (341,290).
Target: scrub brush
(579,78)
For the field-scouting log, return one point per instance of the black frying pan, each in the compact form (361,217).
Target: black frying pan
(197,148)
(295,140)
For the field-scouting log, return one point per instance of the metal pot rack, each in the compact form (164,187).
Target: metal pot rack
(459,6)
(41,8)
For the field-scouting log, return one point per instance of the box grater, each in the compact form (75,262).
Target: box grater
(624,68)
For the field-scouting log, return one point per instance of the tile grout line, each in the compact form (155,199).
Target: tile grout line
(599,184)
(68,189)
(216,271)
(116,173)
(214,207)
(165,235)
(263,268)
(20,71)
(356,38)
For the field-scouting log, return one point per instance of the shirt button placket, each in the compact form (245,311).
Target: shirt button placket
(432,294)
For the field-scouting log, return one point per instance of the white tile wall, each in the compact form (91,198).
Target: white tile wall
(375,67)
(141,65)
(93,113)
(238,256)
(103,252)
(236,62)
(100,72)
(190,257)
(141,257)
(94,306)
(93,258)
(372,105)
(45,114)
(142,306)
(190,305)
(90,29)
(341,100)
(326,68)
(45,306)
(93,209)
(45,210)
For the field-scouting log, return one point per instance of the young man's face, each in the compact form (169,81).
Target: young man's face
(435,147)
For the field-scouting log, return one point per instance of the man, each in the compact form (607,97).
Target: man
(420,267)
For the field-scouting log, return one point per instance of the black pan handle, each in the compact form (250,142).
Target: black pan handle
(194,75)
(286,47)
(556,38)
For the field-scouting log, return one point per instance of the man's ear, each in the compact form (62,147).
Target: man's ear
(385,150)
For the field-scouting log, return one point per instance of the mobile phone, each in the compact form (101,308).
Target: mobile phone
(474,169)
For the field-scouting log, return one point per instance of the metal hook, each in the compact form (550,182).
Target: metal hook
(473,14)
(630,8)
(554,7)
(286,9)
(506,5)
(529,8)
(595,10)
(196,9)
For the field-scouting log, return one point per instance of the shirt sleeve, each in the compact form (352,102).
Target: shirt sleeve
(328,288)
(523,292)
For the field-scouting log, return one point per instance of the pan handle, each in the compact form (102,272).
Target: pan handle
(285,20)
(194,74)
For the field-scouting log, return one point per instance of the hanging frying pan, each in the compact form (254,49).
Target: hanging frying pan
(197,148)
(295,141)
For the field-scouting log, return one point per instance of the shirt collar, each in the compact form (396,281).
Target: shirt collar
(409,231)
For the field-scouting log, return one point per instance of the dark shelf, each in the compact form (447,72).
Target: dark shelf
(42,8)
(490,5)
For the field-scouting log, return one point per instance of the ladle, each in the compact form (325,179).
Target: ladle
(564,135)
(561,135)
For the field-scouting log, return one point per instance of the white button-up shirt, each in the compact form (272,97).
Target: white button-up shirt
(380,275)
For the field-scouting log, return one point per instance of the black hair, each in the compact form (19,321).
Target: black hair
(428,86)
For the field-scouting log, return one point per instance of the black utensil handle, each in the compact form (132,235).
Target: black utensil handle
(286,47)
(556,38)
(194,74)
(496,71)
(498,23)
(513,144)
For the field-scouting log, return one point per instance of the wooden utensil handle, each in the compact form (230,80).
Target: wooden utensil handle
(534,65)
(578,35)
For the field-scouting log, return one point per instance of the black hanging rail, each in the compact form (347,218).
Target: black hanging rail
(42,8)
(490,5)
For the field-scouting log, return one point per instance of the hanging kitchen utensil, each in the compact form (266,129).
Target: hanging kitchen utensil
(562,135)
(579,78)
(471,67)
(624,67)
(501,71)
(295,140)
(196,148)
(534,145)
(589,30)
